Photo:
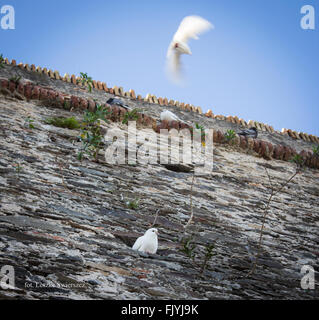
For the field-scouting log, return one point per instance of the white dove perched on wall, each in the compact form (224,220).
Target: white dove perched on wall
(147,243)
(190,27)
(169,116)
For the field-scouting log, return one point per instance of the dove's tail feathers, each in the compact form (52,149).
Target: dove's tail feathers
(170,50)
(174,68)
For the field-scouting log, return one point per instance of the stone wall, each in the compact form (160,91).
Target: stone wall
(67,222)
(152,99)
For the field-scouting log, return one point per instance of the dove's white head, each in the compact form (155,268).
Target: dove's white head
(152,233)
(182,48)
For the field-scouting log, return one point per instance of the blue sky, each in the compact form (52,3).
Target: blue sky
(257,64)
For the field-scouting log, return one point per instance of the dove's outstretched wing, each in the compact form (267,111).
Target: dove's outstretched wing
(190,27)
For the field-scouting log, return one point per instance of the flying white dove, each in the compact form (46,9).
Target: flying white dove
(147,243)
(190,27)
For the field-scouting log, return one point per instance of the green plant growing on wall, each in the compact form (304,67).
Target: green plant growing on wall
(66,104)
(1,61)
(230,135)
(199,127)
(208,255)
(131,116)
(133,204)
(299,161)
(188,247)
(16,79)
(273,192)
(91,132)
(69,123)
(203,135)
(188,244)
(316,150)
(86,80)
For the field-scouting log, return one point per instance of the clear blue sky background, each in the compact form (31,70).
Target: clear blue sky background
(257,63)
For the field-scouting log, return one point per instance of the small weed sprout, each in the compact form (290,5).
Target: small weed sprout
(230,135)
(188,248)
(86,80)
(199,127)
(133,204)
(28,122)
(130,116)
(203,135)
(91,132)
(18,168)
(208,255)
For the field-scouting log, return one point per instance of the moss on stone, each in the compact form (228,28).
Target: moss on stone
(70,123)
